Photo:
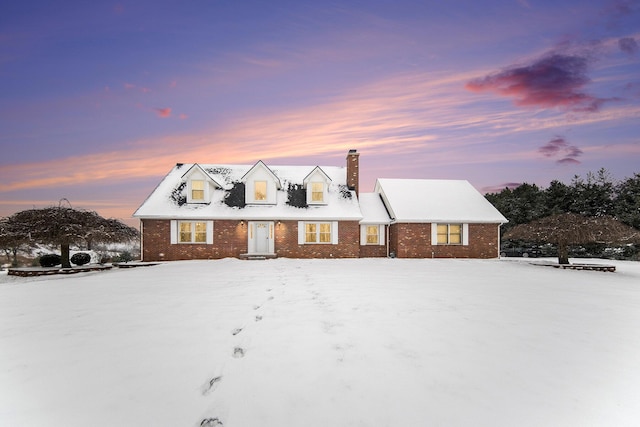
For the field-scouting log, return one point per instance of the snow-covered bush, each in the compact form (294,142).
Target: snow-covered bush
(81,258)
(50,260)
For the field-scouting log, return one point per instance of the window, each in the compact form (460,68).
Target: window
(372,234)
(449,234)
(317,192)
(317,232)
(260,190)
(192,232)
(197,189)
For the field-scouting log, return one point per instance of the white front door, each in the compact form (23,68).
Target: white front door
(261,237)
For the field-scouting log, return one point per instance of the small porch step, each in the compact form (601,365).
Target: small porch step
(258,256)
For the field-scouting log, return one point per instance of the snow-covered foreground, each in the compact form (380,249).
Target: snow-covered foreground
(365,342)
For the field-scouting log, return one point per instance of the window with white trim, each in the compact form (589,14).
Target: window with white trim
(197,190)
(449,234)
(317,232)
(191,231)
(373,234)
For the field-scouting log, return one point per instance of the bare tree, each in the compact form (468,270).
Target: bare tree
(12,240)
(573,229)
(65,226)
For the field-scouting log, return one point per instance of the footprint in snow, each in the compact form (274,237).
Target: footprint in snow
(211,385)
(236,331)
(258,318)
(238,352)
(210,422)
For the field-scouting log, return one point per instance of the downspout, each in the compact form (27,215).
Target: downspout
(141,242)
(388,226)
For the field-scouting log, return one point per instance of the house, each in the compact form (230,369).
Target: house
(205,211)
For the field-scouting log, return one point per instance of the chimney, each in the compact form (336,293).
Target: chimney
(353,175)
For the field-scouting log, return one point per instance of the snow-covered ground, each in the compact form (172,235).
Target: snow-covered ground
(364,342)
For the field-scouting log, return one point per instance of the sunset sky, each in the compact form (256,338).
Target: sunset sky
(98,100)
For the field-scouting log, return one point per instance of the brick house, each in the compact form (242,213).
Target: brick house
(203,211)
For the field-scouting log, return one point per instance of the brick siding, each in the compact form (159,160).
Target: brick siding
(409,240)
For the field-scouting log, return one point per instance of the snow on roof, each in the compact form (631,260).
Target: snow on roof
(433,200)
(163,202)
(373,210)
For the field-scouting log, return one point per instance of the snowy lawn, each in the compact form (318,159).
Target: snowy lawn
(364,342)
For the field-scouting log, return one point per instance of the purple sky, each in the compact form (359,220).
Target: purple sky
(98,100)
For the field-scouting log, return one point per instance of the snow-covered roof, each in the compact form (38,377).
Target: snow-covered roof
(168,199)
(433,200)
(373,210)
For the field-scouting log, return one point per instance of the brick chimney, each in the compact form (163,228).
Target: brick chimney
(353,174)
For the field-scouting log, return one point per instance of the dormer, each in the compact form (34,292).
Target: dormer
(317,186)
(199,185)
(261,185)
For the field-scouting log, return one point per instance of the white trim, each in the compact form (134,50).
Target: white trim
(209,232)
(465,234)
(174,231)
(363,234)
(334,232)
(301,232)
(434,234)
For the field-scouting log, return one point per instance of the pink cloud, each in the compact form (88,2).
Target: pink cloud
(183,116)
(163,112)
(556,80)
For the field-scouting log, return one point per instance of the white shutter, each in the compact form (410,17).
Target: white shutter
(434,234)
(363,235)
(174,231)
(301,232)
(381,235)
(465,234)
(209,232)
(334,233)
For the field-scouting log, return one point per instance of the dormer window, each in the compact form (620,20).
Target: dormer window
(317,192)
(197,190)
(199,185)
(317,185)
(261,185)
(260,191)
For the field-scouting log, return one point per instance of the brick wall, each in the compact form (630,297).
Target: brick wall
(230,240)
(229,237)
(286,244)
(373,251)
(410,240)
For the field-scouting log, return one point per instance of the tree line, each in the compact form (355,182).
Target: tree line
(597,204)
(596,195)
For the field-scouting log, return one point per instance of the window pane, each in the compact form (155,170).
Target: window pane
(260,190)
(310,233)
(185,232)
(455,234)
(201,232)
(325,233)
(372,234)
(317,192)
(197,189)
(443,236)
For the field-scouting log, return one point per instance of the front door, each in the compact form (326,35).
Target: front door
(261,237)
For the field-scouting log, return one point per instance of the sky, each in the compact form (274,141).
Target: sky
(99,100)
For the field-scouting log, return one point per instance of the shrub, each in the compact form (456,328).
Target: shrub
(50,260)
(123,257)
(81,258)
